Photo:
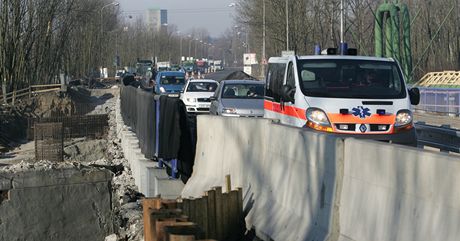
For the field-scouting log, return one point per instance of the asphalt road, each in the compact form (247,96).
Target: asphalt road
(220,75)
(437,119)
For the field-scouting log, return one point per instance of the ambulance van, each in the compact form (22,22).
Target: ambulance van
(357,96)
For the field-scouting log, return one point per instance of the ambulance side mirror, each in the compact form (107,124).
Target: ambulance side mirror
(414,96)
(288,93)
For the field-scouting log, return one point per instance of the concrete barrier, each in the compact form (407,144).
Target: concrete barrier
(288,175)
(393,192)
(300,185)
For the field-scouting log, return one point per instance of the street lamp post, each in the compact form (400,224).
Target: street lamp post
(287,25)
(201,48)
(180,44)
(263,41)
(102,22)
(190,46)
(196,43)
(181,47)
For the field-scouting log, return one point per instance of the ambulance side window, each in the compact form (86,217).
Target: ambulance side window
(274,82)
(290,80)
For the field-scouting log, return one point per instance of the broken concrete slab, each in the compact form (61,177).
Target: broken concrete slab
(64,204)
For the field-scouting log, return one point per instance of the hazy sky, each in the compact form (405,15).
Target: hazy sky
(214,15)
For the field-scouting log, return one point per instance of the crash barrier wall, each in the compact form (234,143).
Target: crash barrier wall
(396,193)
(300,185)
(90,126)
(288,187)
(439,100)
(56,204)
(49,141)
(162,125)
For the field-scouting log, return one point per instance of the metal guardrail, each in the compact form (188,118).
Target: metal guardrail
(441,137)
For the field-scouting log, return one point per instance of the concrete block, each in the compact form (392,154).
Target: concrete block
(152,174)
(32,179)
(288,175)
(405,193)
(168,188)
(56,205)
(5,183)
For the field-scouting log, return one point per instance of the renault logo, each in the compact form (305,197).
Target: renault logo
(363,128)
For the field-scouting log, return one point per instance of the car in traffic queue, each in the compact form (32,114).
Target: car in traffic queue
(357,96)
(238,98)
(170,83)
(197,93)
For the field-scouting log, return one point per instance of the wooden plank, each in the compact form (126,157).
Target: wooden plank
(147,205)
(204,215)
(192,210)
(211,229)
(159,234)
(47,90)
(183,232)
(219,213)
(156,214)
(228,183)
(198,212)
(186,206)
(225,215)
(234,219)
(240,213)
(43,86)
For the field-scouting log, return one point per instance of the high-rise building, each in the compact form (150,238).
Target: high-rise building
(155,18)
(164,17)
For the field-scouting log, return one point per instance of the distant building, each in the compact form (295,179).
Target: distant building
(164,17)
(155,18)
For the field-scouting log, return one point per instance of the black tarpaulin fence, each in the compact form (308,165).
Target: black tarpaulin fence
(176,136)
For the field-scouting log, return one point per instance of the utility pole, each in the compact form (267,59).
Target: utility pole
(287,25)
(262,69)
(341,21)
(189,46)
(116,4)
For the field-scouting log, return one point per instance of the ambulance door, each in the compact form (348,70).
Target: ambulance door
(291,114)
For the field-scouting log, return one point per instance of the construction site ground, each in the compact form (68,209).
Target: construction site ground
(82,153)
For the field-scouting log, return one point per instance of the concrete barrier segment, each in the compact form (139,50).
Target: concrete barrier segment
(288,175)
(60,202)
(392,192)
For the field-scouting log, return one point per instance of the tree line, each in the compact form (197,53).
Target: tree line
(435,28)
(42,39)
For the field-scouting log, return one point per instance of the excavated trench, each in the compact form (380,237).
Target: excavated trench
(90,195)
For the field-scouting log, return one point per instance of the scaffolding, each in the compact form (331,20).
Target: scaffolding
(445,79)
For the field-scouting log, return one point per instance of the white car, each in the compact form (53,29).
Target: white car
(197,93)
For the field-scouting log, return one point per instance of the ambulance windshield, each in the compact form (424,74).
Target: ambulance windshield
(345,78)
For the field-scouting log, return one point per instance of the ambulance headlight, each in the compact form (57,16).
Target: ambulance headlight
(403,118)
(162,90)
(318,117)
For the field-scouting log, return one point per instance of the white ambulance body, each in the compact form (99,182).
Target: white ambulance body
(364,97)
